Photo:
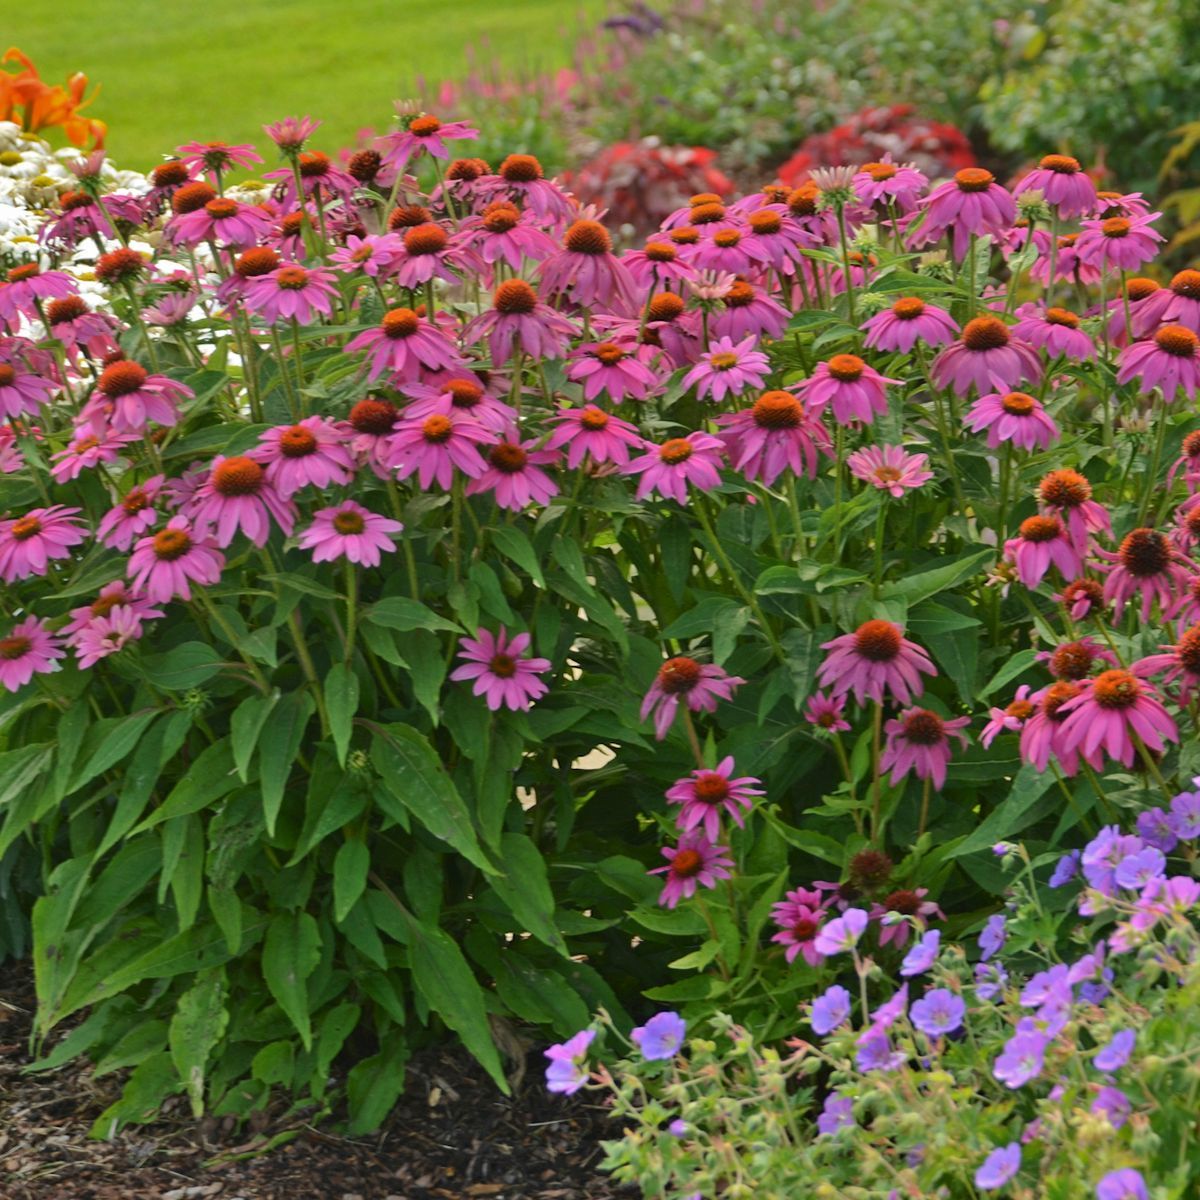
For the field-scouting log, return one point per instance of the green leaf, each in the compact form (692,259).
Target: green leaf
(341,702)
(1018,664)
(444,979)
(414,778)
(399,612)
(274,1063)
(301,583)
(957,653)
(350,867)
(374,1085)
(290,955)
(1012,814)
(921,585)
(244,727)
(282,736)
(197,1026)
(209,777)
(513,544)
(186,666)
(525,888)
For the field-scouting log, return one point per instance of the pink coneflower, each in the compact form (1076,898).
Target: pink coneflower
(71,322)
(696,861)
(587,272)
(165,564)
(827,712)
(1186,533)
(428,252)
(777,433)
(1082,598)
(407,346)
(461,394)
(250,264)
(1015,417)
(514,476)
(28,544)
(27,286)
(1121,204)
(29,649)
(728,369)
(1010,719)
(970,203)
(1180,665)
(1109,713)
(908,902)
(292,293)
(854,390)
(987,356)
(1068,495)
(217,157)
(1041,735)
(890,468)
(1170,361)
(800,916)
(320,181)
(1119,243)
(505,234)
(85,452)
(657,263)
(237,495)
(705,793)
(779,239)
(503,674)
(223,221)
(374,254)
(1042,542)
(107,635)
(436,446)
(11,458)
(889,184)
(127,398)
(1148,564)
(84,215)
(1075,660)
(368,432)
(291,133)
(425,134)
(608,367)
(694,459)
(700,685)
(311,452)
(112,595)
(27,377)
(1056,330)
(170,310)
(729,249)
(518,317)
(919,741)
(348,530)
(520,179)
(130,519)
(1068,266)
(907,322)
(590,431)
(1178,304)
(1064,185)
(749,312)
(874,659)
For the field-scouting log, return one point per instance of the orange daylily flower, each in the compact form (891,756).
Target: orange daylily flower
(28,100)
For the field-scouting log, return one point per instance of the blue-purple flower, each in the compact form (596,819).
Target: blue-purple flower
(999,1167)
(1126,1184)
(1065,869)
(1185,808)
(566,1073)
(838,1113)
(661,1036)
(1023,1056)
(1116,1054)
(830,1010)
(1134,871)
(938,1012)
(923,955)
(842,933)
(1112,1104)
(993,937)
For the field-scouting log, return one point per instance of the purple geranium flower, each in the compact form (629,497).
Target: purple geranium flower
(1065,869)
(830,1010)
(1126,1184)
(1116,1054)
(1022,1057)
(842,933)
(999,1167)
(566,1073)
(938,1012)
(661,1036)
(837,1114)
(993,937)
(923,955)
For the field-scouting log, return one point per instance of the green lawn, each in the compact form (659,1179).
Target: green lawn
(177,70)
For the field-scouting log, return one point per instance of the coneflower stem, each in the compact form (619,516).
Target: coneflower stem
(841,220)
(876,739)
(924,821)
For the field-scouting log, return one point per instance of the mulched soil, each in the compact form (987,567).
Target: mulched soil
(453,1136)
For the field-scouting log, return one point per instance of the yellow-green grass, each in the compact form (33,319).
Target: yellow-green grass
(179,70)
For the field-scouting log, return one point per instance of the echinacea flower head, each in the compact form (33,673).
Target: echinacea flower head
(1068,494)
(590,431)
(1056,331)
(890,468)
(827,712)
(514,475)
(970,204)
(778,432)
(1081,598)
(909,320)
(705,794)
(423,134)
(29,649)
(310,452)
(1179,666)
(566,1072)
(437,446)
(701,686)
(1146,564)
(1010,719)
(132,517)
(1042,542)
(1170,361)
(349,531)
(1041,735)
(222,221)
(164,565)
(799,915)
(127,398)
(695,862)
(405,346)
(1016,418)
(1111,714)
(988,357)
(238,497)
(587,272)
(216,157)
(919,741)
(611,368)
(26,287)
(728,368)
(292,293)
(889,185)
(518,320)
(853,390)
(1064,184)
(999,1167)
(876,659)
(27,378)
(504,675)
(85,452)
(693,460)
(661,1037)
(29,543)
(1119,243)
(291,133)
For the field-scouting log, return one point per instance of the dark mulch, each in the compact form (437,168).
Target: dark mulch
(452,1136)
